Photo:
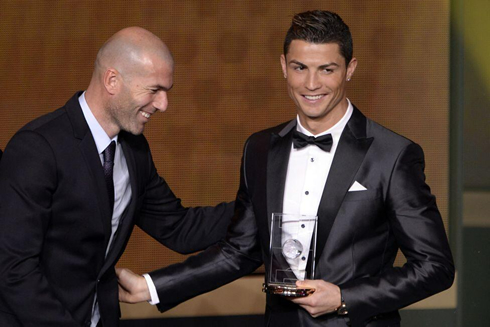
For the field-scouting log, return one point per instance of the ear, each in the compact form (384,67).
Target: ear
(111,80)
(351,68)
(283,65)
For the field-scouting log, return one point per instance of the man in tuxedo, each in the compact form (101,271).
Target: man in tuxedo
(365,183)
(73,184)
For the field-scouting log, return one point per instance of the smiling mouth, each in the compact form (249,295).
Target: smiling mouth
(313,97)
(145,114)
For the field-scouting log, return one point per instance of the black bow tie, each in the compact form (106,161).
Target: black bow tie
(300,140)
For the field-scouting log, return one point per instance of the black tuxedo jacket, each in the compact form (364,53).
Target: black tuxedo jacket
(55,221)
(359,233)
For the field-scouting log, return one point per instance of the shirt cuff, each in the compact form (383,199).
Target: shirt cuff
(153,291)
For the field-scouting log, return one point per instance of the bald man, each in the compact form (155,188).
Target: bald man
(73,184)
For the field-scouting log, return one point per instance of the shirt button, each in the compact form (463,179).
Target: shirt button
(312,159)
(302,225)
(307,192)
(303,258)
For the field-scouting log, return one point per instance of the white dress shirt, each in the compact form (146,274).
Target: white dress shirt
(122,187)
(307,174)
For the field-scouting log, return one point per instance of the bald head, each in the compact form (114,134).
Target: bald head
(133,73)
(130,50)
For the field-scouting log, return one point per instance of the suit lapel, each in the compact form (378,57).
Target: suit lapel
(277,167)
(352,148)
(89,152)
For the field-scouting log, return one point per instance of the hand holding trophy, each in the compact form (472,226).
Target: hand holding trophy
(292,252)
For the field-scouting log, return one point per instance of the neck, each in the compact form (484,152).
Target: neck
(100,112)
(317,125)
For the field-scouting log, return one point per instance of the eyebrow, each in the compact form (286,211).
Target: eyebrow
(160,87)
(329,65)
(321,67)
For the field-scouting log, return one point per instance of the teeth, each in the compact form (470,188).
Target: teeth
(145,114)
(313,97)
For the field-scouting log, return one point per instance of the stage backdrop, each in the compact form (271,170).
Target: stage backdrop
(228,81)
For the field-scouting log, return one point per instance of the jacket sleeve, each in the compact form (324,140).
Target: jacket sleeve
(235,256)
(27,183)
(418,229)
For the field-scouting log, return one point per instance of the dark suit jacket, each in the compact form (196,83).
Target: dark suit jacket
(359,233)
(55,221)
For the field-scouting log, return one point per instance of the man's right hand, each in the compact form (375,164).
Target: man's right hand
(132,288)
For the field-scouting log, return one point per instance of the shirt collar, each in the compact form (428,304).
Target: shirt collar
(101,138)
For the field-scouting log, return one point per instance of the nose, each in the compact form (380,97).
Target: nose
(312,81)
(160,101)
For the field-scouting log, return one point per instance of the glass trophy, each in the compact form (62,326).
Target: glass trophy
(292,252)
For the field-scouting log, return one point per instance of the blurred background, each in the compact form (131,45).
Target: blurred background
(423,72)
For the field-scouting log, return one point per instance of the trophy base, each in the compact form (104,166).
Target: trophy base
(286,290)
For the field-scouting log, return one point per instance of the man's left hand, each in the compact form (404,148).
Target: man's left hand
(325,299)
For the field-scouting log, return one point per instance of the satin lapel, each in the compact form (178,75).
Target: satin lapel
(126,222)
(277,167)
(348,157)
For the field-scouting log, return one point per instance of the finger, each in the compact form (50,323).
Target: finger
(306,300)
(120,271)
(122,280)
(305,282)
(120,274)
(122,294)
(299,300)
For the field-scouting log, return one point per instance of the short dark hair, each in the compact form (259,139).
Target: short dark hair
(320,26)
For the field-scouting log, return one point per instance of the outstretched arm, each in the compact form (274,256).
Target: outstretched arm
(210,269)
(237,255)
(184,230)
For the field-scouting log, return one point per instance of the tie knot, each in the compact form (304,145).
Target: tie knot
(301,140)
(109,152)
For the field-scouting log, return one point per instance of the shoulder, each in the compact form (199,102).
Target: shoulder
(385,137)
(384,134)
(391,147)
(387,145)
(265,135)
(47,123)
(42,133)
(61,124)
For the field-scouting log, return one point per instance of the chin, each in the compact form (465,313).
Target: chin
(313,115)
(134,131)
(138,132)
